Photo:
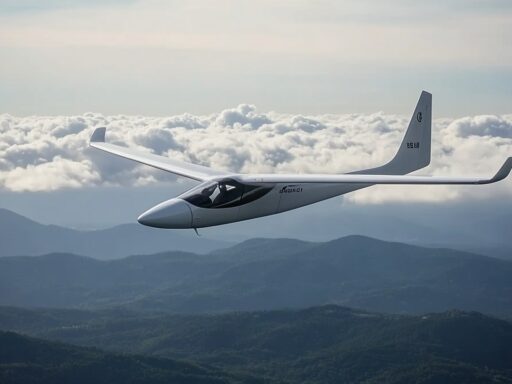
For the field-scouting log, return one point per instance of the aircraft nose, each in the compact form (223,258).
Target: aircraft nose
(174,213)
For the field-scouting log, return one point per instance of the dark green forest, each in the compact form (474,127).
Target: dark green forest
(28,360)
(327,344)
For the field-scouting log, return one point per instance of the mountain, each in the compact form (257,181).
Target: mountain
(22,236)
(328,344)
(27,360)
(264,274)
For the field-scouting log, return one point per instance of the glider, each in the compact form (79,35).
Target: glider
(224,197)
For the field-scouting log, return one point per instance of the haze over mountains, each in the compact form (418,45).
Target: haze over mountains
(261,274)
(22,236)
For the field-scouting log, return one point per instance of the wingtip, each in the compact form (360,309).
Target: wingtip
(98,135)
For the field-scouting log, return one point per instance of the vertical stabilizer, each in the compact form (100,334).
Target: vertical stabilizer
(414,152)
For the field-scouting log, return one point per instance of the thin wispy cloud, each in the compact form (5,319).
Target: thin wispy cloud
(425,34)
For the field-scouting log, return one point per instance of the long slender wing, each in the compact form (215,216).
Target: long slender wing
(378,179)
(192,171)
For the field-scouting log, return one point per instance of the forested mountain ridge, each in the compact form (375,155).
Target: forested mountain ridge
(259,274)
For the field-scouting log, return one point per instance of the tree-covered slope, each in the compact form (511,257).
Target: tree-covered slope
(27,360)
(328,344)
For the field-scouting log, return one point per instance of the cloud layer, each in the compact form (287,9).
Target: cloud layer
(41,153)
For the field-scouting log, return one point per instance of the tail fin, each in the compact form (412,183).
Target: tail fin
(414,152)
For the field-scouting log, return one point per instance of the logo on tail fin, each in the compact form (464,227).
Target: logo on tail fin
(419,117)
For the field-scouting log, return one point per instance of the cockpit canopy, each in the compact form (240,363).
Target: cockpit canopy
(225,193)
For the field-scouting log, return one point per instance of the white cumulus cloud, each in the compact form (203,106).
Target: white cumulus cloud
(40,153)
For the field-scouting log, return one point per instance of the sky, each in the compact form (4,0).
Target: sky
(156,57)
(246,86)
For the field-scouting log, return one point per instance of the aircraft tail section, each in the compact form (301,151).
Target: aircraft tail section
(414,152)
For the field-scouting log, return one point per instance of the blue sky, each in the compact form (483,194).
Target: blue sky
(163,57)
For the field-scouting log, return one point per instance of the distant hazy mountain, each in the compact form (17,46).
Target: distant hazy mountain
(267,274)
(27,360)
(328,344)
(22,236)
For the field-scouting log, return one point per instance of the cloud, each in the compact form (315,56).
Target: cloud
(486,125)
(50,176)
(40,153)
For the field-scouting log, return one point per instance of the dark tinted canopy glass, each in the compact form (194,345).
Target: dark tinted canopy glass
(224,194)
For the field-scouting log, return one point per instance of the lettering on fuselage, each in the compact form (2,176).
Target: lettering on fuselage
(291,189)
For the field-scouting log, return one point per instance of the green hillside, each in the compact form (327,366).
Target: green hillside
(28,360)
(326,344)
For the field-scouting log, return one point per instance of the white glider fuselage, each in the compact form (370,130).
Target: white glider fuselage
(197,209)
(223,197)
